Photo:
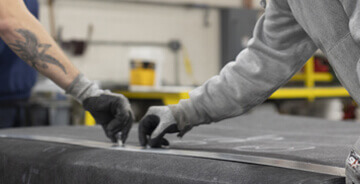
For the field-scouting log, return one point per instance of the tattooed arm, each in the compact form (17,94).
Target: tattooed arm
(29,40)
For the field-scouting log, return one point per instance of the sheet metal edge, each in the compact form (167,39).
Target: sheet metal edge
(258,160)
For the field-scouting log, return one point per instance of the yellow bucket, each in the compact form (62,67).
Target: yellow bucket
(142,73)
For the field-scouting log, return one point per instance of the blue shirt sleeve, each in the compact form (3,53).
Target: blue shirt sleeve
(16,77)
(33,6)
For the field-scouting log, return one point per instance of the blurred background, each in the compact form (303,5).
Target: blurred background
(156,51)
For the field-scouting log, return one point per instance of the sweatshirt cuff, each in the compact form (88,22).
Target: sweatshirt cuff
(185,116)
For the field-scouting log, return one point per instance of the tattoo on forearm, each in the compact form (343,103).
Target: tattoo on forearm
(34,52)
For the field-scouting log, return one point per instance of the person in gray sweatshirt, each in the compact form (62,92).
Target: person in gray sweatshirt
(284,38)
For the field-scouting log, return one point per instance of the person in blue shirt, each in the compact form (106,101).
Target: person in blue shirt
(16,81)
(22,33)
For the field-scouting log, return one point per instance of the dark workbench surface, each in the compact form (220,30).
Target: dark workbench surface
(268,135)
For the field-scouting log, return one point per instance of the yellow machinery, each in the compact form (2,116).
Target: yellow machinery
(310,91)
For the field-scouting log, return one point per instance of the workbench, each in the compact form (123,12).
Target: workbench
(260,148)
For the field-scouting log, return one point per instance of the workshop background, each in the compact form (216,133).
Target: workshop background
(155,51)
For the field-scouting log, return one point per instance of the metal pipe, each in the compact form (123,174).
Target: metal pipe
(177,68)
(152,3)
(128,43)
(52,18)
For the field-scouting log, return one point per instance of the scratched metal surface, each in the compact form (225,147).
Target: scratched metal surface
(39,162)
(266,135)
(286,137)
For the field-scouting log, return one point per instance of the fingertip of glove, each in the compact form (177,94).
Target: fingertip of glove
(164,142)
(126,131)
(143,143)
(114,139)
(158,142)
(123,139)
(142,137)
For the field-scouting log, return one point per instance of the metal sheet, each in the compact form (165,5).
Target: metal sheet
(281,163)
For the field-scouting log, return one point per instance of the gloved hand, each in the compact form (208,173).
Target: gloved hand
(110,110)
(113,112)
(157,122)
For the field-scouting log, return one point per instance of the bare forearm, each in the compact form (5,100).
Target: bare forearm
(28,39)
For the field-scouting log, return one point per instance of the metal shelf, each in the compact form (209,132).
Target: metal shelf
(318,77)
(309,91)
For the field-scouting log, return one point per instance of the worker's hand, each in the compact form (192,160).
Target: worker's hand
(157,122)
(110,110)
(113,112)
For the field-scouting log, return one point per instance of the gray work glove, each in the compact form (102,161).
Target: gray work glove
(110,110)
(157,122)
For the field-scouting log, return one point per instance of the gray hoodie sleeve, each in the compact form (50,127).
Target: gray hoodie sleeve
(278,49)
(352,9)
